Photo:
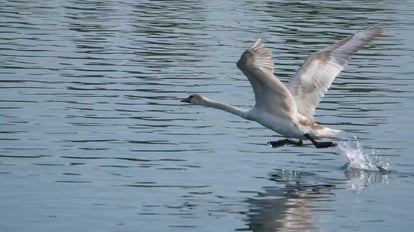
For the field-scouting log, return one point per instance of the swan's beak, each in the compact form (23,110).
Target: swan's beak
(188,100)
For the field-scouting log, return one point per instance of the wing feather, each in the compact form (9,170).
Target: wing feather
(270,94)
(316,75)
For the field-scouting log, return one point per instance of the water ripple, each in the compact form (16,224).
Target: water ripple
(91,120)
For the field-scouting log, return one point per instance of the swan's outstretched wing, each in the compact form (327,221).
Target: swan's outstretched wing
(316,75)
(271,95)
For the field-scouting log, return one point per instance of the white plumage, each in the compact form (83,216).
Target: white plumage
(289,110)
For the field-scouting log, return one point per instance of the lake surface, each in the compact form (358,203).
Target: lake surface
(93,136)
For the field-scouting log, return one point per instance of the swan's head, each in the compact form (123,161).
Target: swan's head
(196,99)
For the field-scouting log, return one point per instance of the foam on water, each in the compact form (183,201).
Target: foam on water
(361,159)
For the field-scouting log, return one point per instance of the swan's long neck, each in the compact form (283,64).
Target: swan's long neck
(224,107)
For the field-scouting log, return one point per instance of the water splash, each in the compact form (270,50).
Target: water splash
(361,159)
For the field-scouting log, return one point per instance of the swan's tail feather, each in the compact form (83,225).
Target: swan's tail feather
(325,133)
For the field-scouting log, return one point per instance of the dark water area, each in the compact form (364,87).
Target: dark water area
(93,135)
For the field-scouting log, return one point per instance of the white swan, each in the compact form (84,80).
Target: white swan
(289,109)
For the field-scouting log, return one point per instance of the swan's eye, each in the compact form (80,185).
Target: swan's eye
(188,100)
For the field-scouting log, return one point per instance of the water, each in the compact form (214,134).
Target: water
(94,137)
(361,159)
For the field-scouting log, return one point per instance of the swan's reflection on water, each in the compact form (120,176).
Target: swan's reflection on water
(296,201)
(289,204)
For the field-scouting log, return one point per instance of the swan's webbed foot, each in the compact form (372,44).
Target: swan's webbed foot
(284,142)
(320,144)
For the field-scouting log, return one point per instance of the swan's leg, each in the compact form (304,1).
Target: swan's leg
(283,142)
(320,144)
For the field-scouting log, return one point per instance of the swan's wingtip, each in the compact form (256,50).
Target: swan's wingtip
(257,43)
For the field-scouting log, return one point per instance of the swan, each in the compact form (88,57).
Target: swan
(289,109)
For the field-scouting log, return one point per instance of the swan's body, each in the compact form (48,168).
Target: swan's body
(289,110)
